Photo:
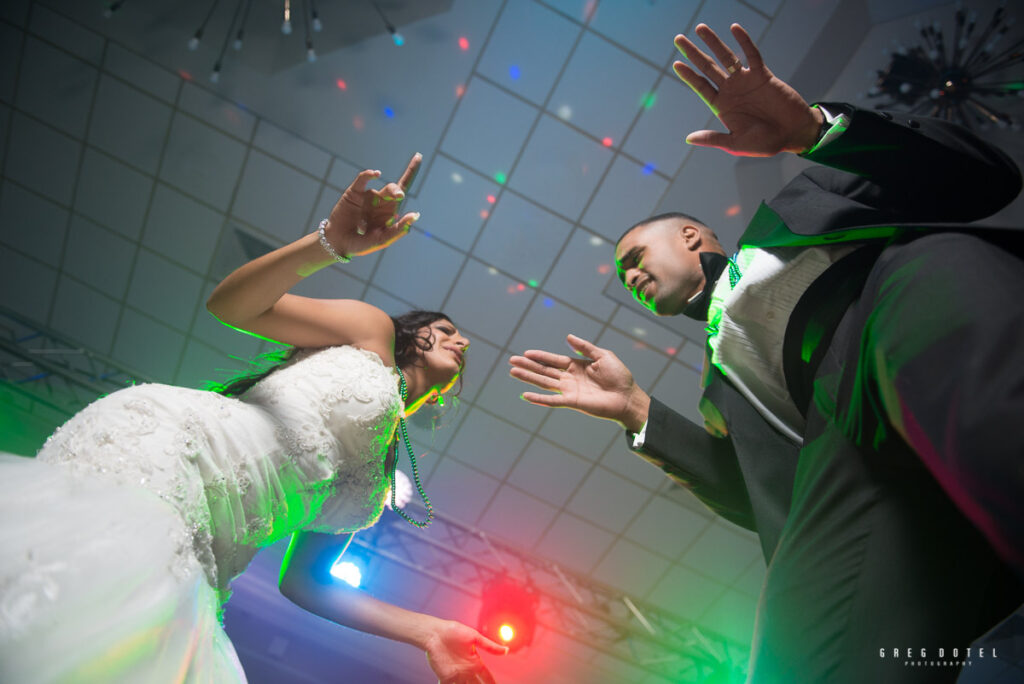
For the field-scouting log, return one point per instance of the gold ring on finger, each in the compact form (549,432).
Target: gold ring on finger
(734,66)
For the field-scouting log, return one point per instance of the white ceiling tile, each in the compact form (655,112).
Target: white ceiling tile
(488,443)
(113,194)
(292,149)
(560,167)
(361,267)
(621,460)
(643,361)
(608,500)
(521,238)
(527,49)
(147,346)
(182,229)
(488,129)
(595,69)
(69,34)
(419,269)
(548,472)
(203,364)
(630,568)
(32,224)
(517,517)
(341,174)
(574,542)
(41,158)
(114,124)
(453,201)
(546,325)
(382,300)
(680,389)
(732,616)
(643,328)
(216,111)
(658,140)
(692,355)
(721,553)
(142,73)
(583,435)
(767,6)
(720,15)
(685,593)
(84,314)
(458,490)
(627,195)
(500,395)
(487,303)
(667,528)
(56,87)
(645,27)
(330,283)
(202,162)
(33,282)
(98,257)
(580,273)
(706,187)
(274,197)
(154,277)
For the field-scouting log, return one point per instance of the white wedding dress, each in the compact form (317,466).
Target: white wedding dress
(118,541)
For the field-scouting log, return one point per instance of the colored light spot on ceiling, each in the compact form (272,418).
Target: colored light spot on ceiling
(511,289)
(734,210)
(357,123)
(606,141)
(564,112)
(648,169)
(491,199)
(342,85)
(463,43)
(671,351)
(596,241)
(648,100)
(532,283)
(398,38)
(491,270)
(548,302)
(500,178)
(456,177)
(520,287)
(514,73)
(604,269)
(460,90)
(184,74)
(639,345)
(389,112)
(588,10)
(484,213)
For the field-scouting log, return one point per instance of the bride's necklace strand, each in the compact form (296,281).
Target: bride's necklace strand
(404,390)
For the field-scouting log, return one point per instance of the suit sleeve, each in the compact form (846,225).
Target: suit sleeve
(704,464)
(900,168)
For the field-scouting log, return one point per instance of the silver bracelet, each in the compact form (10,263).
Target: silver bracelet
(340,258)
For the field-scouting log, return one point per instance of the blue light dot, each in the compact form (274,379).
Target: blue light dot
(389,112)
(648,169)
(548,302)
(399,39)
(513,71)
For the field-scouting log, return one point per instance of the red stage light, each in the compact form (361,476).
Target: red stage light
(508,613)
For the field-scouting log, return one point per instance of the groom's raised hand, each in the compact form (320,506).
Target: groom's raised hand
(596,383)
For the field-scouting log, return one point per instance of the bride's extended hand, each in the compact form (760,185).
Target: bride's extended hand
(366,220)
(452,652)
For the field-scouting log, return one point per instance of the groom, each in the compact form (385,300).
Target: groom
(864,379)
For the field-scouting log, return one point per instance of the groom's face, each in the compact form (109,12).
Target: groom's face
(658,263)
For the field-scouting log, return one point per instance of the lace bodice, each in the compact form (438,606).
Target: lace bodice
(305,448)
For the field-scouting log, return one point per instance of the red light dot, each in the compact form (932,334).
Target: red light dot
(734,210)
(357,122)
(671,351)
(520,287)
(184,74)
(464,43)
(492,199)
(460,90)
(603,269)
(484,213)
(511,289)
(341,84)
(607,142)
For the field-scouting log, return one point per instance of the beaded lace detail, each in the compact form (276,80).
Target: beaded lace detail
(303,449)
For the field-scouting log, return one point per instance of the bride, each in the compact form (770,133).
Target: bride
(121,537)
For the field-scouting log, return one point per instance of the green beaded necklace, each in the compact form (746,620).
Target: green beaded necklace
(404,390)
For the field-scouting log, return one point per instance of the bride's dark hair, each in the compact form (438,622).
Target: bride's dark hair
(410,340)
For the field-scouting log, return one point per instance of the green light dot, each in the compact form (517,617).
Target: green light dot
(648,100)
(500,177)
(531,283)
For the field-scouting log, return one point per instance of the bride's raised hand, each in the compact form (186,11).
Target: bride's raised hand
(365,220)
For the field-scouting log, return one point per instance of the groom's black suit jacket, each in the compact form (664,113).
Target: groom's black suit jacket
(893,176)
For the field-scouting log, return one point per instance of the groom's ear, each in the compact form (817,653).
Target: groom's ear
(691,235)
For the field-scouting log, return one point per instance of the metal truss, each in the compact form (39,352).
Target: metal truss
(639,634)
(51,369)
(60,374)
